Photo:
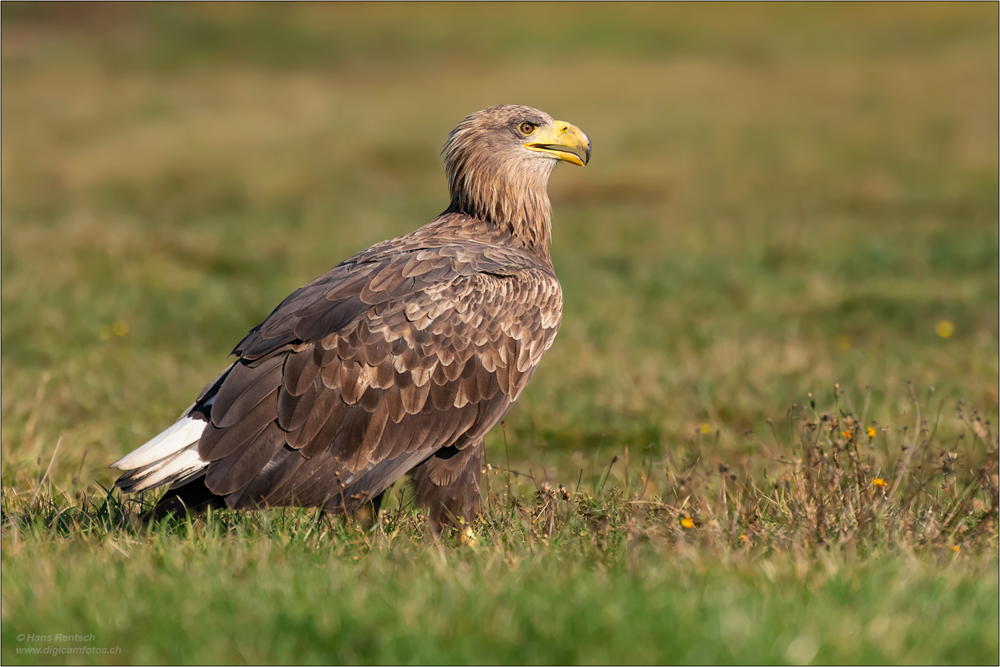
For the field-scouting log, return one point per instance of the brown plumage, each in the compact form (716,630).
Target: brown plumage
(396,361)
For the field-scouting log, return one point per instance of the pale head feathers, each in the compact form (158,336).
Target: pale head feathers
(491,176)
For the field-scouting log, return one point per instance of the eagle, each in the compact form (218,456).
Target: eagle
(395,362)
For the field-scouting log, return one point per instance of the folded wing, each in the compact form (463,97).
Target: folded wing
(365,373)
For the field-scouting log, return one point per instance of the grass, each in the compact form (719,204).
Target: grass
(820,561)
(401,603)
(784,207)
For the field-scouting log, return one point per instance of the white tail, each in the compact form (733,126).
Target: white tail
(169,457)
(176,438)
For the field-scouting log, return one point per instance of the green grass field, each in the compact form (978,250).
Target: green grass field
(787,236)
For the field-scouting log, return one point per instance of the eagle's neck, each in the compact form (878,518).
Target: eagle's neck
(510,194)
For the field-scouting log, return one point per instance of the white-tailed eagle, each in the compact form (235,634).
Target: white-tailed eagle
(396,361)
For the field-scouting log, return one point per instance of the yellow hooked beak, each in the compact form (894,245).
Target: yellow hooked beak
(561,141)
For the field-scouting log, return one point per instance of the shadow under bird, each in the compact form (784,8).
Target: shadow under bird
(396,361)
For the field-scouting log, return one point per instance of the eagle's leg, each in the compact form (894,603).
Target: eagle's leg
(447,485)
(367,514)
(193,497)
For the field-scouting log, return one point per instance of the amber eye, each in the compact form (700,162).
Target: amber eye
(526,128)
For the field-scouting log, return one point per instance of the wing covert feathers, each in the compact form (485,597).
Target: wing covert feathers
(407,350)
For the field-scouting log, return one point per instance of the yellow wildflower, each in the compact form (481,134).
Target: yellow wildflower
(687,522)
(120,328)
(846,434)
(879,482)
(871,431)
(956,548)
(945,329)
(706,428)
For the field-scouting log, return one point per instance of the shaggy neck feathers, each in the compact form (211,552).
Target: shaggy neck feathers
(500,186)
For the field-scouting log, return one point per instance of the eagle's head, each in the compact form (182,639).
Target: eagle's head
(498,162)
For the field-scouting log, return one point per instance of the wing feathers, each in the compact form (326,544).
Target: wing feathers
(293,411)
(217,443)
(320,411)
(328,432)
(301,368)
(274,474)
(232,473)
(243,389)
(363,374)
(373,435)
(414,397)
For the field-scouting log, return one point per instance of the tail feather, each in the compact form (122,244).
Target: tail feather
(170,457)
(178,437)
(179,466)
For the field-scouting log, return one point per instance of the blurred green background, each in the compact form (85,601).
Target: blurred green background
(781,197)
